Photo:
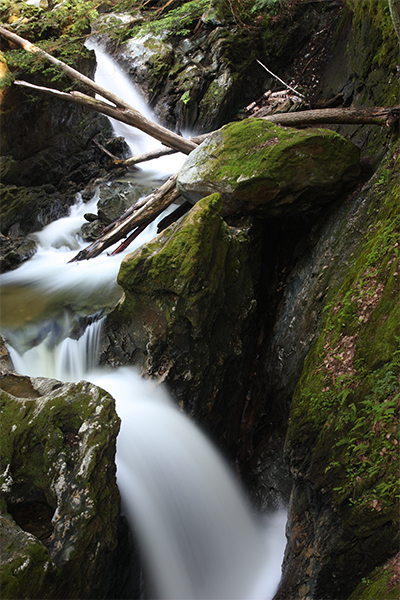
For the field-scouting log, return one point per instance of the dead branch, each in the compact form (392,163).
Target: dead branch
(157,202)
(121,111)
(281,80)
(134,160)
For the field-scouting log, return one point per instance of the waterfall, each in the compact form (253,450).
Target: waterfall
(198,535)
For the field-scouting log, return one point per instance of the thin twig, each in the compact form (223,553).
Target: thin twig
(279,79)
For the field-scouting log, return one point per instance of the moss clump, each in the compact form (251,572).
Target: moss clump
(382,583)
(61,31)
(345,409)
(182,258)
(26,568)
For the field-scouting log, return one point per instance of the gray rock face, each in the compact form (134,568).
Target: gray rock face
(60,501)
(200,81)
(264,169)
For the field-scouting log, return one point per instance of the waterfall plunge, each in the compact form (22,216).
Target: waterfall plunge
(198,536)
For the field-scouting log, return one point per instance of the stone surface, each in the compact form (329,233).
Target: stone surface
(341,442)
(186,316)
(60,501)
(264,169)
(14,252)
(200,79)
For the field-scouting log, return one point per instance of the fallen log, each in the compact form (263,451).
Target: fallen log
(122,110)
(150,207)
(138,158)
(331,116)
(156,203)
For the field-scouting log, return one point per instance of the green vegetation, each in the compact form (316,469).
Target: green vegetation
(61,32)
(184,259)
(346,405)
(382,584)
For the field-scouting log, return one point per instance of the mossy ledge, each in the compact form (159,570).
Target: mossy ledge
(343,429)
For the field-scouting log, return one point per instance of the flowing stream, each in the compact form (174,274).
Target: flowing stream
(199,536)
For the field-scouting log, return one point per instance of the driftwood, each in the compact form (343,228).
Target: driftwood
(156,203)
(121,111)
(348,116)
(136,218)
(134,160)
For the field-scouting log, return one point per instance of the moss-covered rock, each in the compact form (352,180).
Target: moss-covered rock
(342,440)
(384,582)
(186,313)
(262,168)
(60,501)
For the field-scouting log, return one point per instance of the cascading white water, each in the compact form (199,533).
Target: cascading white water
(196,529)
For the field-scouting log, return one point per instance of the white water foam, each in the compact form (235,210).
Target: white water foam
(197,531)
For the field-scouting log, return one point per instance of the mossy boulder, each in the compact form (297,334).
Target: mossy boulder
(342,439)
(185,316)
(60,501)
(264,169)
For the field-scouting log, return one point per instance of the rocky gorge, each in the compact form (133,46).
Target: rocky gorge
(274,327)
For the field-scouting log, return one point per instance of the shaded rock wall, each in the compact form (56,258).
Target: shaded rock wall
(344,413)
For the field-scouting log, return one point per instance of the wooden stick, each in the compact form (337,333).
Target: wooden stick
(281,80)
(134,160)
(122,110)
(158,201)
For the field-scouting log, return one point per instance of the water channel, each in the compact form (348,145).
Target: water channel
(199,535)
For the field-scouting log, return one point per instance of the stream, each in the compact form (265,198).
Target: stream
(199,536)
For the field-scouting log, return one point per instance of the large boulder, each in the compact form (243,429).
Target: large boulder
(264,169)
(60,501)
(187,313)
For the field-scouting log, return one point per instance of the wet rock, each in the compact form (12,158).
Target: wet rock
(60,501)
(187,315)
(14,251)
(200,80)
(115,197)
(28,209)
(264,169)
(343,519)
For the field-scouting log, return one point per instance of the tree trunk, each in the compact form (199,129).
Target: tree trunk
(348,116)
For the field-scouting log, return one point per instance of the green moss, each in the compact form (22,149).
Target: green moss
(24,576)
(266,164)
(346,404)
(61,31)
(373,50)
(382,584)
(183,248)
